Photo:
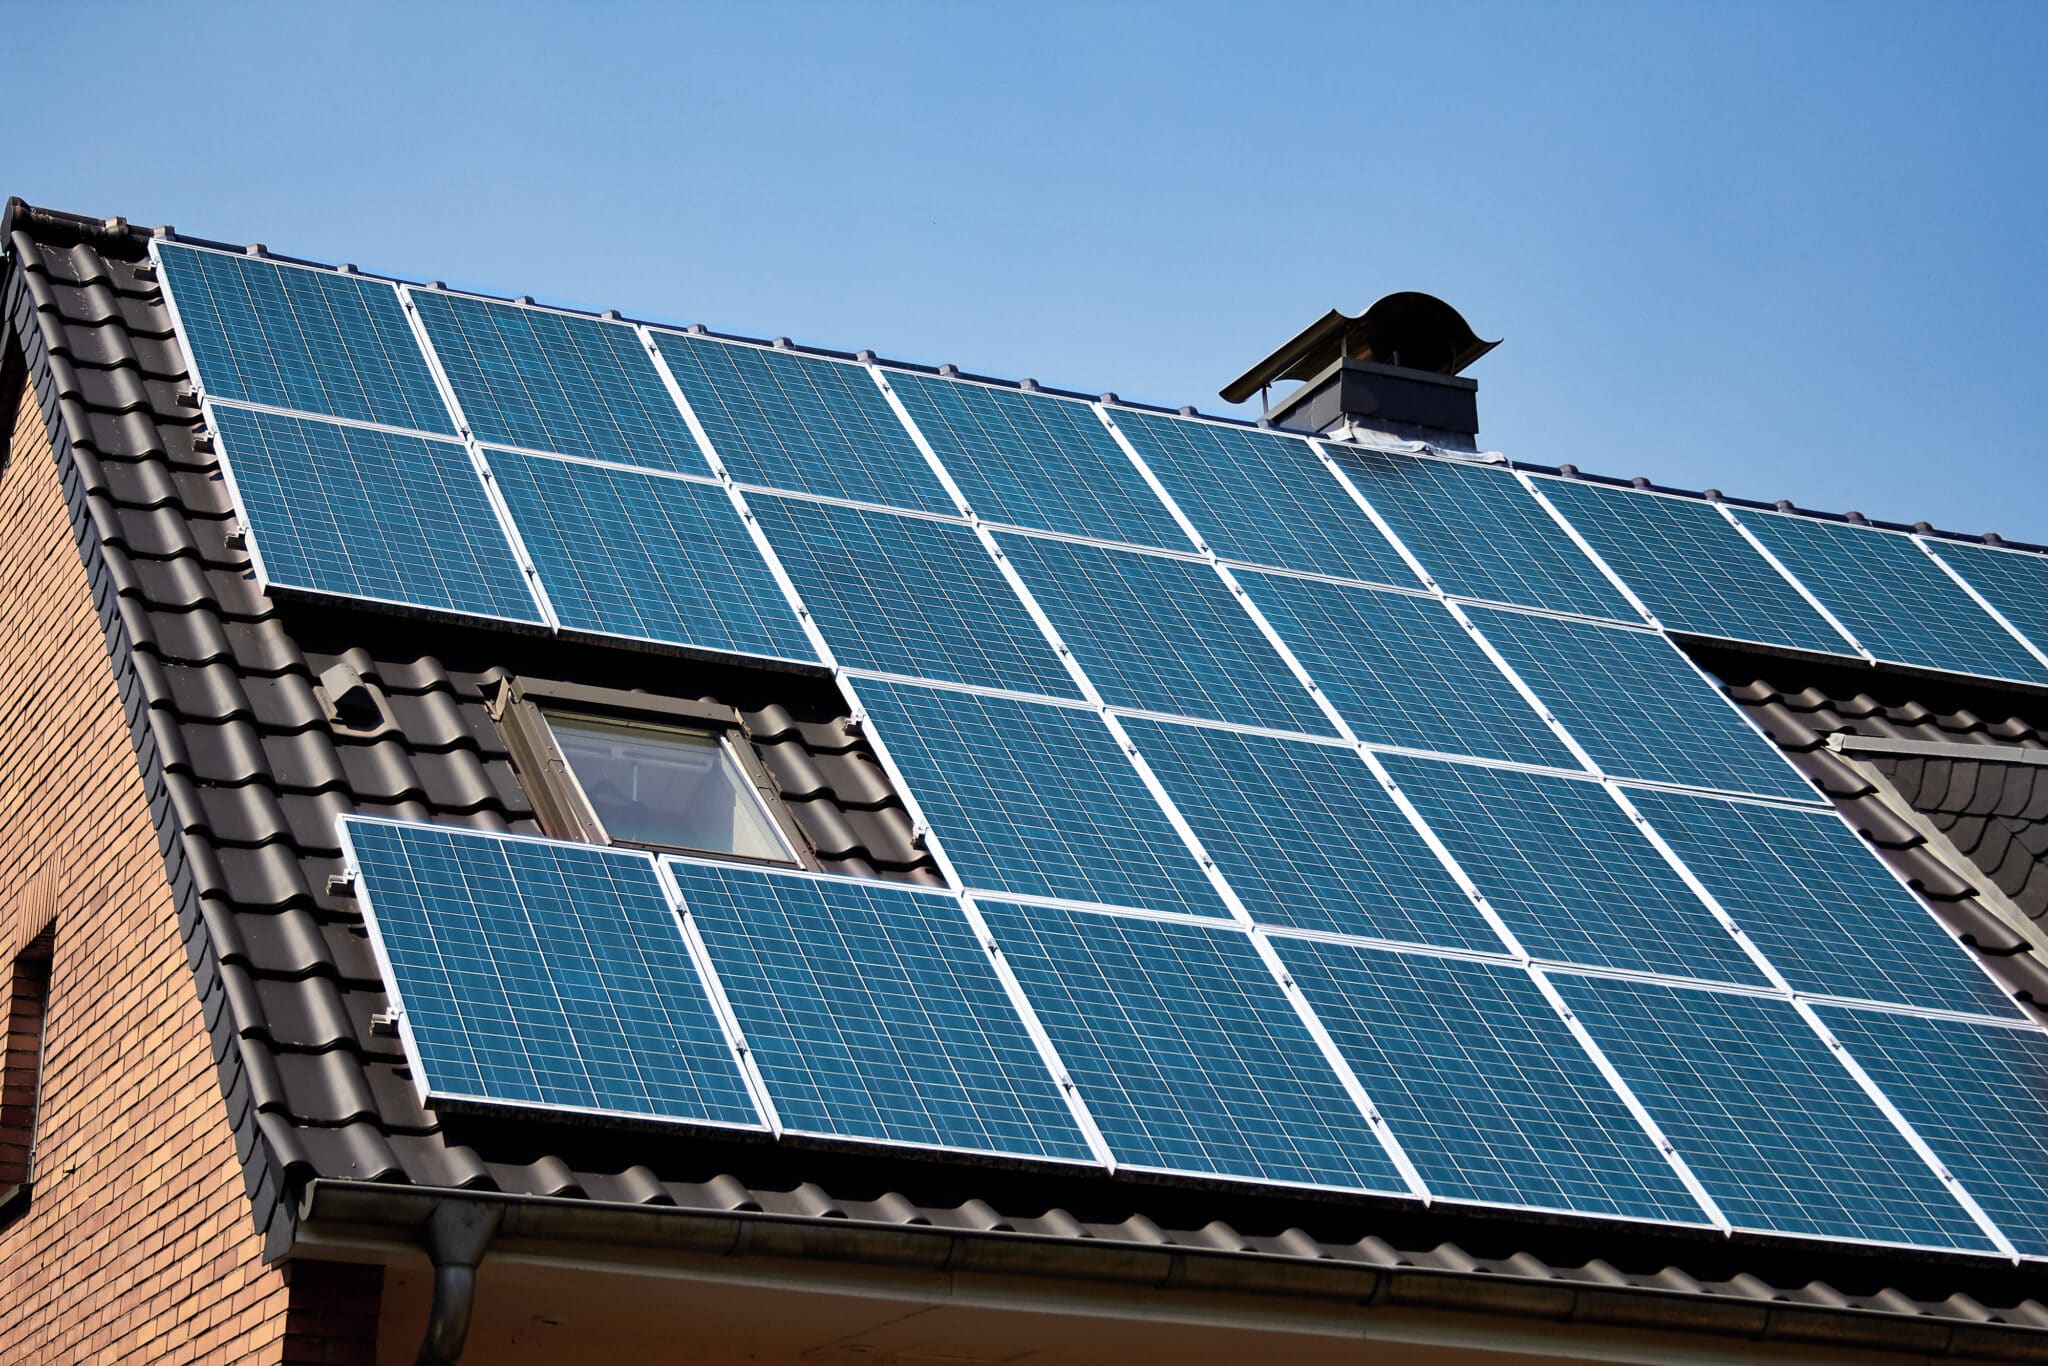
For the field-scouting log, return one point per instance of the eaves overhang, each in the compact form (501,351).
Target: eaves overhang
(913,1253)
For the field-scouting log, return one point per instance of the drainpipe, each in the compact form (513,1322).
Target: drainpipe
(456,1235)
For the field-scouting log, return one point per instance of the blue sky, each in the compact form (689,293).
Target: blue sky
(1788,251)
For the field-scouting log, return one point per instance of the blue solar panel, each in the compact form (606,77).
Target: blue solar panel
(1978,1095)
(556,382)
(1487,1091)
(873,1013)
(2013,581)
(371,514)
(1892,597)
(908,595)
(1035,800)
(1774,1127)
(1569,873)
(1037,461)
(1691,568)
(539,973)
(1401,671)
(290,337)
(1162,635)
(1480,535)
(1186,1051)
(1263,498)
(802,423)
(1820,905)
(1638,706)
(1305,836)
(646,556)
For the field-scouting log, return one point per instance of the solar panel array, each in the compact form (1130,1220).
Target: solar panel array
(1311,815)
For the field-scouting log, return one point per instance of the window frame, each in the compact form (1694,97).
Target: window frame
(520,706)
(29,982)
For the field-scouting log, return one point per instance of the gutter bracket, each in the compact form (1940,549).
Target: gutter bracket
(456,1236)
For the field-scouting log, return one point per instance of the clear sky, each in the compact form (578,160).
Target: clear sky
(1789,251)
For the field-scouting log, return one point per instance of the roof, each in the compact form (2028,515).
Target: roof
(246,770)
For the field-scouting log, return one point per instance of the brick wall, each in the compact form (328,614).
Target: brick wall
(138,1244)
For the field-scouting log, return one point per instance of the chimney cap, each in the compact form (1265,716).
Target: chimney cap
(1415,331)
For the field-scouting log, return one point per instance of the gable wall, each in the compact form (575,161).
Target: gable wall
(137,1245)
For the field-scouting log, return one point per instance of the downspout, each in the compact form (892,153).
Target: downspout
(456,1235)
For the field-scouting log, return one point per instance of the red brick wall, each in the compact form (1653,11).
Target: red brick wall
(138,1244)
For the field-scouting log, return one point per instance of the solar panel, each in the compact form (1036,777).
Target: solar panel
(1638,706)
(873,1013)
(1263,498)
(1820,905)
(1978,1094)
(1186,1052)
(2013,581)
(556,382)
(1034,460)
(370,514)
(531,972)
(1774,1127)
(1035,800)
(1305,836)
(1892,597)
(647,556)
(1692,569)
(908,595)
(259,331)
(1162,635)
(803,423)
(1479,533)
(1488,1092)
(1569,873)
(1401,671)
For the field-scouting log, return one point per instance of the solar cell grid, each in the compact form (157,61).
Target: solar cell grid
(1035,800)
(1401,671)
(653,558)
(538,973)
(1820,905)
(1978,1094)
(2013,581)
(556,382)
(1638,706)
(1162,635)
(1568,872)
(1305,836)
(1892,597)
(292,337)
(787,421)
(908,595)
(1488,1092)
(1774,1127)
(1263,498)
(1479,533)
(1187,1053)
(1692,569)
(371,514)
(1034,460)
(872,1013)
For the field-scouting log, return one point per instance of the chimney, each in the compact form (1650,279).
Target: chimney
(1391,370)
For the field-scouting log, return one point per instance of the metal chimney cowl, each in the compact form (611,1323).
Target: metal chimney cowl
(1392,369)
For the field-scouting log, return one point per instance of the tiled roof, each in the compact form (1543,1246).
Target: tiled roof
(247,769)
(1994,809)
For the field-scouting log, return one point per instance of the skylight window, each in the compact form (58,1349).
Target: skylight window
(614,767)
(666,786)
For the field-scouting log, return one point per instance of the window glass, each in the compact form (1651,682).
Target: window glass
(654,784)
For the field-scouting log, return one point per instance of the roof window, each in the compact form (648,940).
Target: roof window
(614,767)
